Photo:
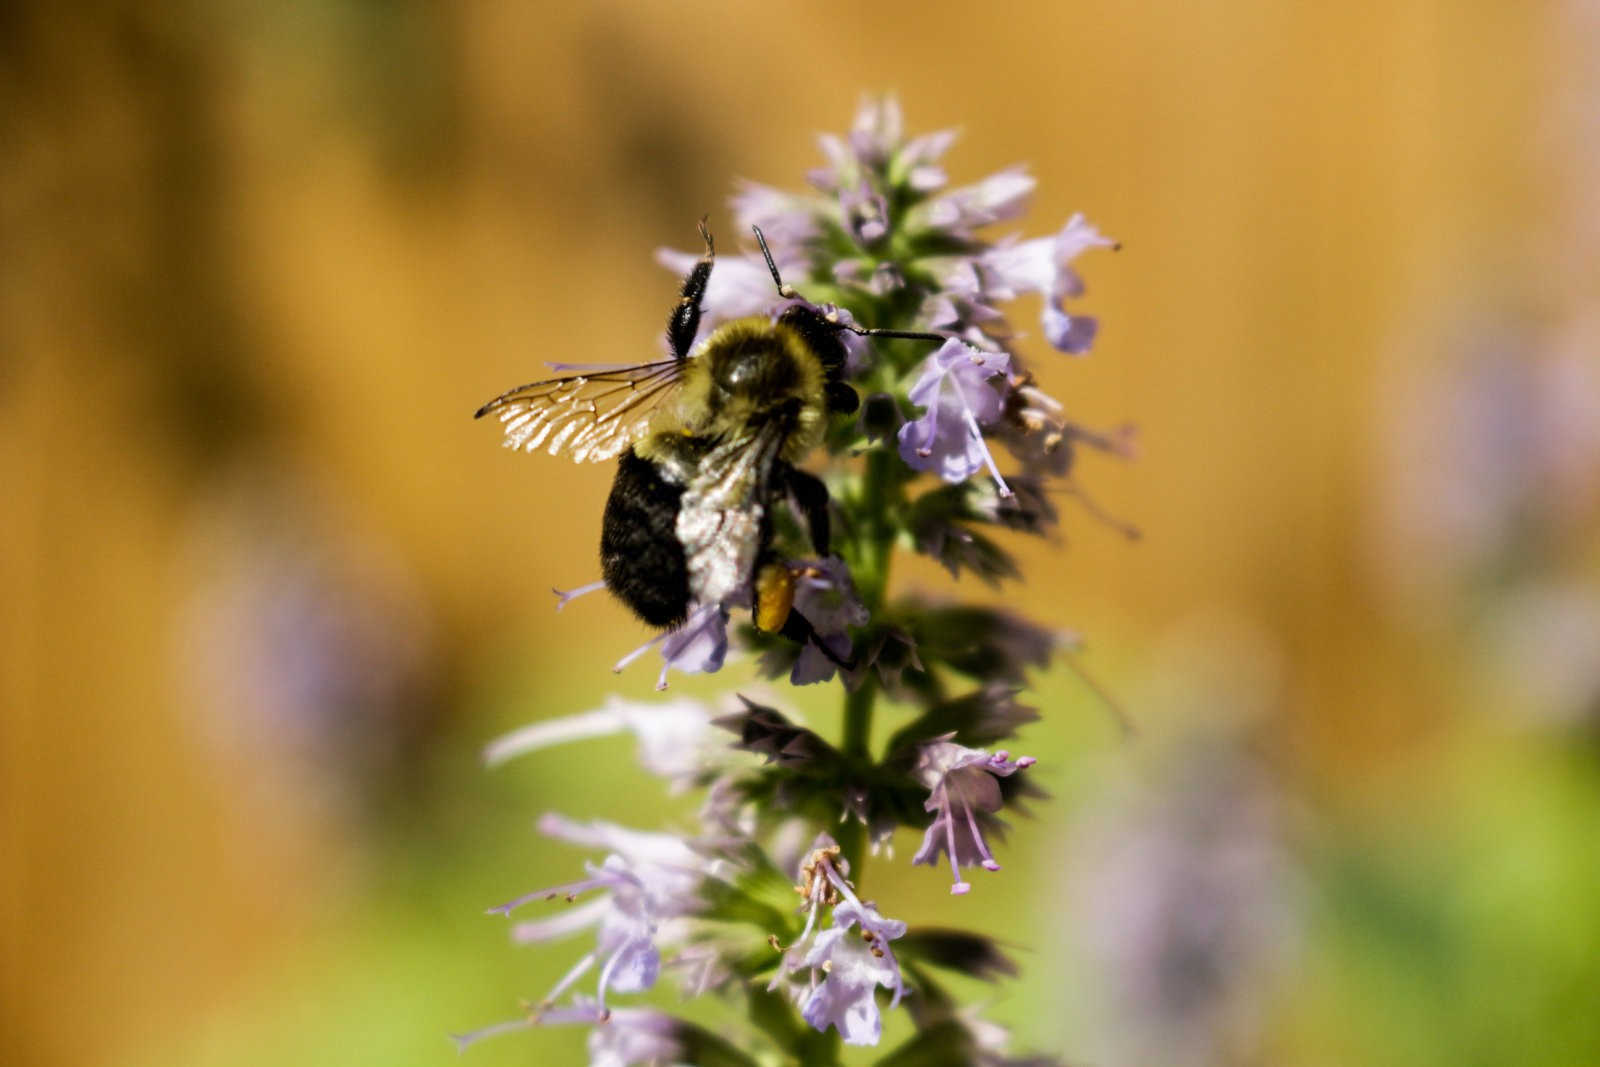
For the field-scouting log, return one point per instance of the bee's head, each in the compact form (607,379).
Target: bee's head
(757,369)
(756,372)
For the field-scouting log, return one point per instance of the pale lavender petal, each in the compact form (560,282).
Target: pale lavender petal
(962,783)
(1000,196)
(785,219)
(958,399)
(633,969)
(1072,334)
(638,847)
(473,1037)
(739,285)
(865,212)
(635,1036)
(559,731)
(567,596)
(852,1009)
(565,924)
(699,646)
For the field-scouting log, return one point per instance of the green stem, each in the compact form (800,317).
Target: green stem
(858,721)
(852,833)
(875,545)
(877,532)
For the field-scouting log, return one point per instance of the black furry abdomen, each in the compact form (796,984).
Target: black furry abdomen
(641,558)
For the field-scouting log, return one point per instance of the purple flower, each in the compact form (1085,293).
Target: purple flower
(871,144)
(647,878)
(961,784)
(917,163)
(675,738)
(636,1035)
(826,598)
(620,1037)
(739,285)
(877,130)
(1185,894)
(865,212)
(306,648)
(851,967)
(956,392)
(788,220)
(1044,265)
(1000,196)
(854,966)
(698,646)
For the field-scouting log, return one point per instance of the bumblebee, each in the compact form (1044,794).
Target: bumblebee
(708,441)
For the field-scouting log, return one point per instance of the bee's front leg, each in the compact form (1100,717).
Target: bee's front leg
(684,321)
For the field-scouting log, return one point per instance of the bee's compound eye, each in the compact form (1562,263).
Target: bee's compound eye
(739,373)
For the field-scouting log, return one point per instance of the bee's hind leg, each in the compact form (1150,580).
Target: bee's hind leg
(774,611)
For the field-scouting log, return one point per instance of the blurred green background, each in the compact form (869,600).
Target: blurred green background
(267,588)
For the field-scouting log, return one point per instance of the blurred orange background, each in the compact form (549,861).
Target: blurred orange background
(267,587)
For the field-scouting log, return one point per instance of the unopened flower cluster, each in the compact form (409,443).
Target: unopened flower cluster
(954,443)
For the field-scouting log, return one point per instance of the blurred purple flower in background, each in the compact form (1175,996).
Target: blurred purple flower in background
(1488,492)
(306,648)
(1183,893)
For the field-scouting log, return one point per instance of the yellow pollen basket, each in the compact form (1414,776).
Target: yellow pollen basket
(774,597)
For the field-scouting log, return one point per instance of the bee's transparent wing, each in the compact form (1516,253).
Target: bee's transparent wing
(591,415)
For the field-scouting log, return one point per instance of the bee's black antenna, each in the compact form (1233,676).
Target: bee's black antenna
(785,291)
(832,318)
(905,335)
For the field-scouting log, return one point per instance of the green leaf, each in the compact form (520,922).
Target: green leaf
(947,1044)
(969,953)
(775,1016)
(978,719)
(706,1049)
(768,733)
